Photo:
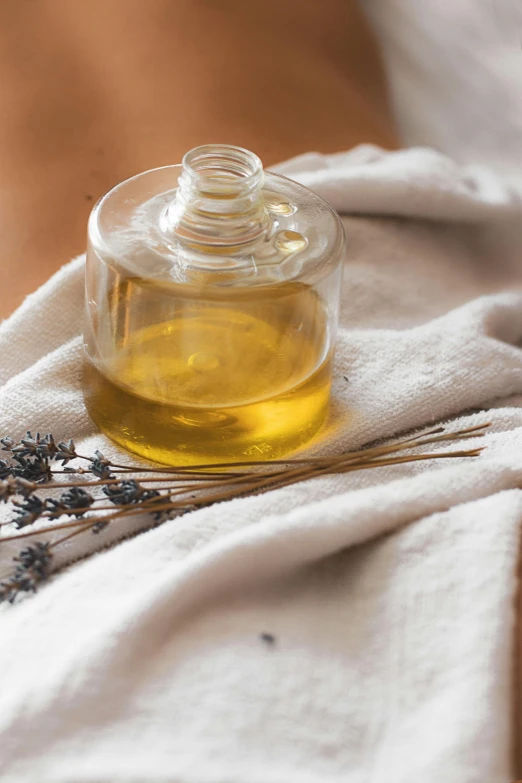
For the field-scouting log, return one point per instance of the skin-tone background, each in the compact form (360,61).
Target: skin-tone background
(94,92)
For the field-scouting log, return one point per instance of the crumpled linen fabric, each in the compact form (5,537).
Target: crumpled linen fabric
(352,628)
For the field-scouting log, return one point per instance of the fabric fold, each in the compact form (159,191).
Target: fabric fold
(350,628)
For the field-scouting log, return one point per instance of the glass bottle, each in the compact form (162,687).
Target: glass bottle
(212,300)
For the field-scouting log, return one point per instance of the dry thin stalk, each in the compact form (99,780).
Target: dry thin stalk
(173,491)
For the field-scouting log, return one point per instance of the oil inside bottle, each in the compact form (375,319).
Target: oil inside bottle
(196,377)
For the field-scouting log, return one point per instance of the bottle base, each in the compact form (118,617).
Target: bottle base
(193,435)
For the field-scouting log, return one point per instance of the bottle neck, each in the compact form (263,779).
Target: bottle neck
(219,201)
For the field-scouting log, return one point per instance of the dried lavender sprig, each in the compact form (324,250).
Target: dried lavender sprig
(44,449)
(162,504)
(33,566)
(208,471)
(74,501)
(77,502)
(130,497)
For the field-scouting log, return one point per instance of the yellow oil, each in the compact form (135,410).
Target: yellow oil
(246,376)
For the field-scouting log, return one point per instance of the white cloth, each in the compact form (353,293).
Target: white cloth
(389,593)
(455,71)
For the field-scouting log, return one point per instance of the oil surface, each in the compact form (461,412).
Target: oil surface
(246,378)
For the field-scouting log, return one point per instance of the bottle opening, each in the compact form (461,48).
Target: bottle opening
(220,165)
(219,199)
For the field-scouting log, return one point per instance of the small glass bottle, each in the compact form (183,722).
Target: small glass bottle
(212,300)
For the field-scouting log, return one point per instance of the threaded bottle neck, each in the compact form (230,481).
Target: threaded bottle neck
(219,200)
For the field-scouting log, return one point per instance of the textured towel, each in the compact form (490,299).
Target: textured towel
(353,628)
